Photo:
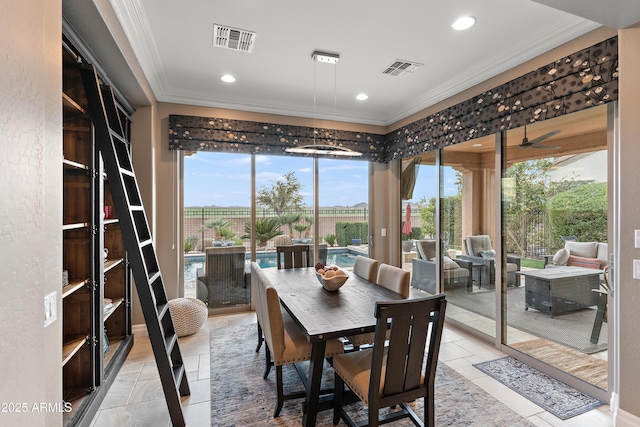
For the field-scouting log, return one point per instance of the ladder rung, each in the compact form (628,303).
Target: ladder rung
(162,310)
(155,276)
(146,243)
(127,172)
(135,208)
(178,373)
(170,341)
(115,134)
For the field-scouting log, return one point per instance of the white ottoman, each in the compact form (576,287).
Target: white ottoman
(189,314)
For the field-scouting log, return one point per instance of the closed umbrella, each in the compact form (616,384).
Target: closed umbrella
(406,229)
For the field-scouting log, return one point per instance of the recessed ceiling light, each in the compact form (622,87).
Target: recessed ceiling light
(463,23)
(362,96)
(228,78)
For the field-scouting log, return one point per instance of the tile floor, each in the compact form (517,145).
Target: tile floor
(136,397)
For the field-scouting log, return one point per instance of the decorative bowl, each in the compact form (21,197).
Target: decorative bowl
(332,284)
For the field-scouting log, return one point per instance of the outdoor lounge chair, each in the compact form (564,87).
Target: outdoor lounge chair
(226,277)
(455,273)
(479,250)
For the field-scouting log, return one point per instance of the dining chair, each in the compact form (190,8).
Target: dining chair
(285,341)
(365,268)
(394,278)
(398,372)
(390,277)
(292,256)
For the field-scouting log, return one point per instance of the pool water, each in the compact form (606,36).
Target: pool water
(341,257)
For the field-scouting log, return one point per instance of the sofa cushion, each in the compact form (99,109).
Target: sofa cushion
(603,254)
(576,261)
(583,249)
(561,257)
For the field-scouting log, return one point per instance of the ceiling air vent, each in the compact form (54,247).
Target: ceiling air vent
(233,38)
(400,68)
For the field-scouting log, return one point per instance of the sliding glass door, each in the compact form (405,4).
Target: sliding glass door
(555,207)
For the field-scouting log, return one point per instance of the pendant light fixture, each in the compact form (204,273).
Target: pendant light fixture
(323,149)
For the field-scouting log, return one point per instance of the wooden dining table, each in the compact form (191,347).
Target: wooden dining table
(325,315)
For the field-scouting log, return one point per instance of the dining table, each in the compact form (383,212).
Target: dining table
(325,315)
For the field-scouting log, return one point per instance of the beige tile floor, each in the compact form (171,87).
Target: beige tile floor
(136,398)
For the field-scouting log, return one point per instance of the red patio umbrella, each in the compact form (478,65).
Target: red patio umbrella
(406,229)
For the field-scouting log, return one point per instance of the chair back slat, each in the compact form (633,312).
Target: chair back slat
(292,256)
(414,323)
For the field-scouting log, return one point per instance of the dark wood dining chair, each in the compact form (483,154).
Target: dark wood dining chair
(292,256)
(397,373)
(285,342)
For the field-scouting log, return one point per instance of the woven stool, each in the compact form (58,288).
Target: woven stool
(189,314)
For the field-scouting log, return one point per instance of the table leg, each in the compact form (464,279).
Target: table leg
(311,404)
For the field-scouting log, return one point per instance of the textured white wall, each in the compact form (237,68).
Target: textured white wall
(31,212)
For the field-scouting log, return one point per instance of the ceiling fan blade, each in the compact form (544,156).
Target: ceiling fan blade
(548,147)
(543,137)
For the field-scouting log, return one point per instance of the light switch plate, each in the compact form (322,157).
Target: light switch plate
(50,308)
(636,268)
(383,232)
(636,238)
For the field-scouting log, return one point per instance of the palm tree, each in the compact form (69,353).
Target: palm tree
(266,229)
(289,219)
(221,227)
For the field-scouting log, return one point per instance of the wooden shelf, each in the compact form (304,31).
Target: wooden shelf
(70,105)
(73,286)
(116,303)
(70,348)
(74,165)
(111,221)
(109,264)
(76,226)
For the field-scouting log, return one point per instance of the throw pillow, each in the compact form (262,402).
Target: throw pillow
(577,261)
(449,264)
(488,254)
(561,257)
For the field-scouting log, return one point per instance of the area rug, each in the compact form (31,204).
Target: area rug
(584,366)
(241,398)
(572,329)
(556,397)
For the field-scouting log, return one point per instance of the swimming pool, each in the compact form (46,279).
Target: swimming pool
(341,257)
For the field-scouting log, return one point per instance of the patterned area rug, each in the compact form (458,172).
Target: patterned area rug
(241,398)
(558,398)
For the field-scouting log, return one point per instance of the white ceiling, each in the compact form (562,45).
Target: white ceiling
(172,41)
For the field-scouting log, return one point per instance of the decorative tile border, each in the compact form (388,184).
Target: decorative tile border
(579,81)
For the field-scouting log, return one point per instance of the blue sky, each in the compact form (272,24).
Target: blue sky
(224,179)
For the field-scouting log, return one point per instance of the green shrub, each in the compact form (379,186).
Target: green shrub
(345,231)
(580,211)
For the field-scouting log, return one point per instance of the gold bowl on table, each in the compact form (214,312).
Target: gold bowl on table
(332,283)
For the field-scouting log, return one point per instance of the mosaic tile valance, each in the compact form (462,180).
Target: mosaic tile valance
(576,82)
(582,80)
(240,136)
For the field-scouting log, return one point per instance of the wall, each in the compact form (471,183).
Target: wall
(628,294)
(31,214)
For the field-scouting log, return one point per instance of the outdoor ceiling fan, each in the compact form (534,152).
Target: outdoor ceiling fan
(534,143)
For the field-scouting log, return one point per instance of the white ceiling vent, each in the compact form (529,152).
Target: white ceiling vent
(233,38)
(400,68)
